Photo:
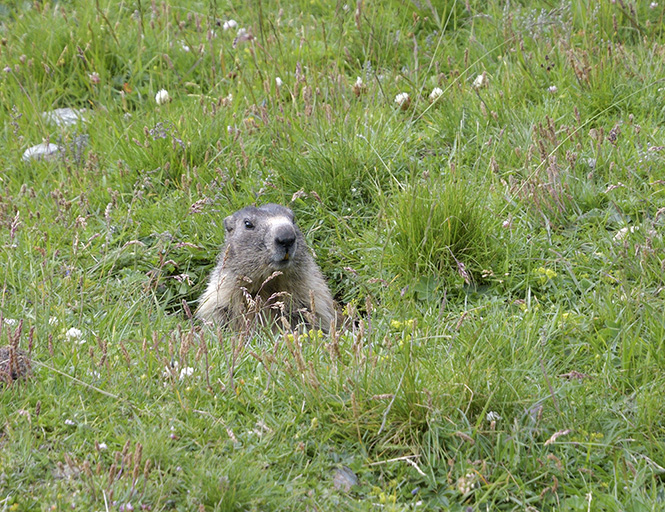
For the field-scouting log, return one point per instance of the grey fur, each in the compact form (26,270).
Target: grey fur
(265,261)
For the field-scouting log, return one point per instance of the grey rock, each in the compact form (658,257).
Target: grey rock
(43,151)
(65,116)
(344,479)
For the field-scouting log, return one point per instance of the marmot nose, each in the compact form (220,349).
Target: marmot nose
(285,237)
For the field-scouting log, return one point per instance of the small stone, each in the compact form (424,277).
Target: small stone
(41,151)
(344,479)
(65,116)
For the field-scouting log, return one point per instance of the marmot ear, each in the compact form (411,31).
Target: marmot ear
(228,223)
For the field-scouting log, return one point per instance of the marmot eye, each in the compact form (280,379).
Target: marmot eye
(249,225)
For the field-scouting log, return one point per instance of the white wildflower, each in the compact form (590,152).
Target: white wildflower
(436,93)
(466,483)
(229,24)
(653,5)
(403,100)
(184,46)
(480,81)
(69,422)
(102,446)
(10,321)
(553,89)
(52,320)
(278,81)
(186,372)
(73,334)
(162,97)
(623,232)
(493,416)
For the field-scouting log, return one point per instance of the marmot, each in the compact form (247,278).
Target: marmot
(266,271)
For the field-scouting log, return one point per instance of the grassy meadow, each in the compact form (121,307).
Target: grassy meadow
(482,183)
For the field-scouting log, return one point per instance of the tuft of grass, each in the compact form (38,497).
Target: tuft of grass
(440,227)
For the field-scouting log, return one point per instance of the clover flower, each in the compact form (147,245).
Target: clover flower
(186,372)
(436,93)
(75,335)
(359,87)
(162,97)
(403,100)
(480,81)
(466,483)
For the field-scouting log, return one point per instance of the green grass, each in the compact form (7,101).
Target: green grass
(500,249)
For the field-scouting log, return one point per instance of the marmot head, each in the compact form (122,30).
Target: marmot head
(266,235)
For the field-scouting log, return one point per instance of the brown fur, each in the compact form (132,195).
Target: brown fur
(266,271)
